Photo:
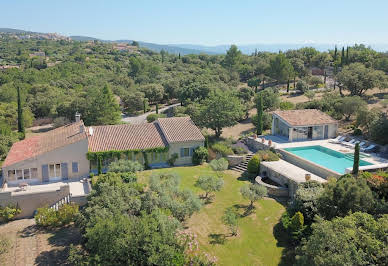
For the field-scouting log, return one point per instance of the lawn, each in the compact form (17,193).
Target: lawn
(259,240)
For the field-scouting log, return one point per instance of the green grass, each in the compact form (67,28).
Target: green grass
(259,240)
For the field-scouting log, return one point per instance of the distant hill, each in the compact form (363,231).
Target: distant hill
(83,38)
(185,49)
(9,30)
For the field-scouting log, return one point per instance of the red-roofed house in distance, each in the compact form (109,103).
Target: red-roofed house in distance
(66,153)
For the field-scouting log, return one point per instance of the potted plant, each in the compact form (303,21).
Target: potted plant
(269,143)
(263,140)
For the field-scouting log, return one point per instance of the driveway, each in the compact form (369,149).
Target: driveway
(143,118)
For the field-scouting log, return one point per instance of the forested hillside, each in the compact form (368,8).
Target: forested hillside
(56,78)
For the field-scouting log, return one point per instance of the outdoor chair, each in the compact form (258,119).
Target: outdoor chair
(369,148)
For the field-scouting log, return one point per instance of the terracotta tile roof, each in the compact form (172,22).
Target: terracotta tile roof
(180,129)
(44,142)
(126,137)
(305,117)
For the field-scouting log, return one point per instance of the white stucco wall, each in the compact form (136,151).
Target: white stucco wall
(75,152)
(176,148)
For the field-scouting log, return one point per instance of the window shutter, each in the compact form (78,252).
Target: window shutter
(182,152)
(191,151)
(65,173)
(74,167)
(45,173)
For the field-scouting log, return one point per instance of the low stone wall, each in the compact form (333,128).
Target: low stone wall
(289,184)
(273,190)
(235,159)
(255,144)
(307,165)
(29,201)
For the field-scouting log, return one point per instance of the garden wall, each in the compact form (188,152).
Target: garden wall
(273,190)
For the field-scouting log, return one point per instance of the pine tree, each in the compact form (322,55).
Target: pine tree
(259,129)
(356,160)
(21,128)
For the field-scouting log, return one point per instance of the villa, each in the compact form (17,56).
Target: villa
(72,151)
(308,124)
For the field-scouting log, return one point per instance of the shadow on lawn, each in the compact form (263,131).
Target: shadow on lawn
(217,239)
(284,241)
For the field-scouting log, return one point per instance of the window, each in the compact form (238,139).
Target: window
(11,174)
(26,173)
(185,152)
(55,170)
(19,174)
(74,167)
(34,173)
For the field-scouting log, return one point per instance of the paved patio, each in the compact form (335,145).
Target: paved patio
(77,187)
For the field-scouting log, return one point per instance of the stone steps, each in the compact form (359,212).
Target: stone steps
(242,167)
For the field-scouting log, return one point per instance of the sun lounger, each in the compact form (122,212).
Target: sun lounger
(337,139)
(362,144)
(369,148)
(353,144)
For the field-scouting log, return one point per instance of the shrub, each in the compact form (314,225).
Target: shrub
(286,105)
(302,86)
(9,212)
(315,81)
(152,117)
(49,217)
(60,121)
(171,161)
(267,155)
(357,132)
(254,165)
(239,150)
(123,166)
(222,149)
(219,165)
(230,219)
(200,155)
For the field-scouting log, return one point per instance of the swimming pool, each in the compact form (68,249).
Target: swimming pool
(326,157)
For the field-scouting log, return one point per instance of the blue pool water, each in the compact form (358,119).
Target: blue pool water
(326,157)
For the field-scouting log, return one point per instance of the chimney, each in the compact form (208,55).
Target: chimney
(77,117)
(81,128)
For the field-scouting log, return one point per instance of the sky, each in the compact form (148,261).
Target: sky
(211,22)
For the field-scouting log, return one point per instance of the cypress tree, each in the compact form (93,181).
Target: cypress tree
(144,106)
(347,55)
(99,165)
(288,85)
(259,129)
(294,81)
(21,128)
(157,108)
(324,77)
(343,56)
(335,53)
(356,160)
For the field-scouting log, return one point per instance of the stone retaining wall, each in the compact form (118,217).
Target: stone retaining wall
(235,159)
(273,190)
(255,145)
(29,201)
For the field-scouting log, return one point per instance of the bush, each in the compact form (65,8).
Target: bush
(152,117)
(172,159)
(123,166)
(254,165)
(219,165)
(271,99)
(286,105)
(357,132)
(315,81)
(239,150)
(9,212)
(49,217)
(222,149)
(302,86)
(200,155)
(267,155)
(60,121)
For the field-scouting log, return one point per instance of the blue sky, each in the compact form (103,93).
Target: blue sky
(208,22)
